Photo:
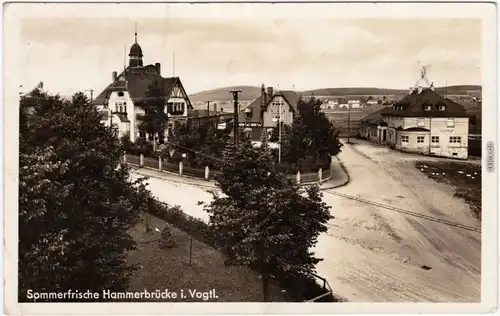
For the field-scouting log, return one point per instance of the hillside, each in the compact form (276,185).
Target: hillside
(455,90)
(251,92)
(353,91)
(222,94)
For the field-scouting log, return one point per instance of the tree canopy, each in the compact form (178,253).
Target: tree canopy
(311,140)
(200,140)
(264,220)
(154,121)
(76,203)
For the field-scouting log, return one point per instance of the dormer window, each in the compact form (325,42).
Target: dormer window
(427,107)
(248,112)
(442,108)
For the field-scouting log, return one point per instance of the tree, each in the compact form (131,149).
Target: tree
(312,139)
(201,141)
(154,121)
(76,203)
(264,220)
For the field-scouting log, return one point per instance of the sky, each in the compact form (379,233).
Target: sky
(72,53)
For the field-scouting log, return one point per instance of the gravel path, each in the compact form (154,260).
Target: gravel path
(372,254)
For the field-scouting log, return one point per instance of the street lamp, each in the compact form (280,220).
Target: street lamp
(278,119)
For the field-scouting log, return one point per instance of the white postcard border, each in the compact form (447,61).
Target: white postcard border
(13,65)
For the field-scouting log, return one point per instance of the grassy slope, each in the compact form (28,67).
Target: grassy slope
(170,269)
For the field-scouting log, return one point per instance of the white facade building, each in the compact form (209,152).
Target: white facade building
(122,103)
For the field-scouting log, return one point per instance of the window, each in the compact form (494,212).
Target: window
(450,122)
(442,108)
(420,139)
(455,139)
(435,139)
(405,139)
(120,93)
(420,122)
(427,108)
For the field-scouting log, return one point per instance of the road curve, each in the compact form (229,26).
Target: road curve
(373,254)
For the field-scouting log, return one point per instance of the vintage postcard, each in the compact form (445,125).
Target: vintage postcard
(250,158)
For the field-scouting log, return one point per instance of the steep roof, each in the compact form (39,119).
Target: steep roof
(255,107)
(413,105)
(290,97)
(137,83)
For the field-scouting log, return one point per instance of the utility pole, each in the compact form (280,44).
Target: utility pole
(236,112)
(208,109)
(279,133)
(348,123)
(91,94)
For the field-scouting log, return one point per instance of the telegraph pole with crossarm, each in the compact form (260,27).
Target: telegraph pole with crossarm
(236,112)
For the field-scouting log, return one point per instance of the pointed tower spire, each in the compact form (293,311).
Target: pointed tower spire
(135,32)
(135,52)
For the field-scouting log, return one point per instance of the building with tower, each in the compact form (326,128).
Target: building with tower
(124,101)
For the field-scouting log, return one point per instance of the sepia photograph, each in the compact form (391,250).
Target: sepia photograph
(249,153)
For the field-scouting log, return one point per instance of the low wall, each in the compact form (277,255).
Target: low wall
(184,170)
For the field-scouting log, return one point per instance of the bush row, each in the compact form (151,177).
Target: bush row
(300,287)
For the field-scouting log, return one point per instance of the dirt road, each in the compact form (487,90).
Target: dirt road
(372,254)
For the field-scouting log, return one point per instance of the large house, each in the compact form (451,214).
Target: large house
(123,101)
(264,112)
(422,122)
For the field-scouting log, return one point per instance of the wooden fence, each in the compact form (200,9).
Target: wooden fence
(185,170)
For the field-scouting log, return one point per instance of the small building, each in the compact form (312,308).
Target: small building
(264,112)
(354,103)
(125,98)
(374,128)
(422,122)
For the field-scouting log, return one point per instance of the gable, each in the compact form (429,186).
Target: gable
(274,103)
(177,92)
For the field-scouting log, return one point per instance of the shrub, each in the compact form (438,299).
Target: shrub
(166,240)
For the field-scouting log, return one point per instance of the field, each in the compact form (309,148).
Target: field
(339,118)
(162,269)
(466,178)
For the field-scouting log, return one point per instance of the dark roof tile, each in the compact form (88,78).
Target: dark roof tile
(137,84)
(414,103)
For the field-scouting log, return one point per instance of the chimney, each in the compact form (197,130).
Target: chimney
(419,89)
(114,76)
(215,108)
(270,91)
(411,90)
(262,90)
(158,68)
